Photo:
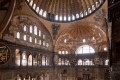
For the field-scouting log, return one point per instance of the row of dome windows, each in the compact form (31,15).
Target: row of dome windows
(23,59)
(61,17)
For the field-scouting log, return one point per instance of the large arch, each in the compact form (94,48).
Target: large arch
(79,34)
(85,49)
(28,30)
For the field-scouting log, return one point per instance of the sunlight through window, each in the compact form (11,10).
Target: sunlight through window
(85,49)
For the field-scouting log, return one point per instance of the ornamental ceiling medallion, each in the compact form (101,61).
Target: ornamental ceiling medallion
(4,53)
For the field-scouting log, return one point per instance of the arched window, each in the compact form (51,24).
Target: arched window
(85,13)
(37,9)
(31,2)
(85,49)
(30,39)
(65,18)
(35,41)
(40,42)
(35,30)
(25,28)
(24,59)
(17,57)
(59,52)
(45,14)
(31,28)
(34,6)
(69,18)
(77,15)
(59,61)
(91,62)
(28,0)
(81,14)
(47,61)
(56,17)
(39,59)
(73,17)
(60,18)
(97,4)
(35,60)
(63,52)
(41,11)
(43,43)
(18,35)
(86,62)
(93,7)
(39,33)
(47,45)
(89,10)
(106,62)
(66,52)
(43,36)
(43,61)
(24,37)
(79,62)
(62,62)
(66,62)
(30,60)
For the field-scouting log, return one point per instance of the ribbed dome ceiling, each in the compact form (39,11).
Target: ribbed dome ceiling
(80,31)
(64,10)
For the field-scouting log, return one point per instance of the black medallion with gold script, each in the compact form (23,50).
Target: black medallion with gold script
(4,53)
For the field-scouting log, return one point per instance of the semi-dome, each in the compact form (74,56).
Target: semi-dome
(80,34)
(64,10)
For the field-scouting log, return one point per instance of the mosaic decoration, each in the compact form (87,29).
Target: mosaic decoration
(4,53)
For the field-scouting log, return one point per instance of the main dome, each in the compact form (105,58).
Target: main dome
(64,10)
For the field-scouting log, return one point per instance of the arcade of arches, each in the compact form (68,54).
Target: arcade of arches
(57,40)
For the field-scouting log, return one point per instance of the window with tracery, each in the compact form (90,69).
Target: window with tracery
(85,49)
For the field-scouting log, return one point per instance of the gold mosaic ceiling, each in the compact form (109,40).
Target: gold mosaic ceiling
(64,10)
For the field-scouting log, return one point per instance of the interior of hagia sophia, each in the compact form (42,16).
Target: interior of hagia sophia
(59,40)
